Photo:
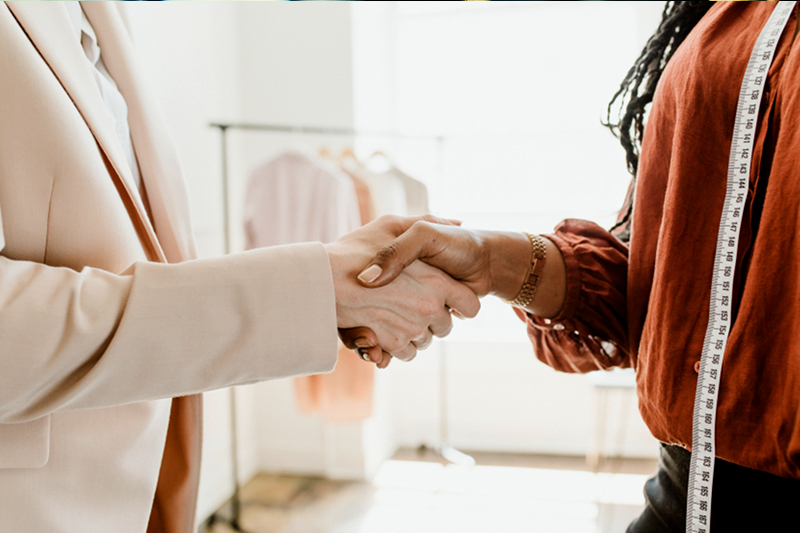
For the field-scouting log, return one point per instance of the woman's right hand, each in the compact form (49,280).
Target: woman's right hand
(488,262)
(407,313)
(469,256)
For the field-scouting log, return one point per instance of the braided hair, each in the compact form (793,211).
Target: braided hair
(636,91)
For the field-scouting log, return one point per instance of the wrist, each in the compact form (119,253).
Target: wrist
(533,274)
(510,258)
(344,287)
(551,292)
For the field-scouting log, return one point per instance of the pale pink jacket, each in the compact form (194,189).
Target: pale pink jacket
(97,331)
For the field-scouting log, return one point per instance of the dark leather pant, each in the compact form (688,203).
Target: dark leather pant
(742,499)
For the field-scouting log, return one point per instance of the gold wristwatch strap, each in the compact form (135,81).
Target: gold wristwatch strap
(534,273)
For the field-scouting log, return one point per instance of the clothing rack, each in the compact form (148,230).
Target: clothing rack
(301,130)
(443,448)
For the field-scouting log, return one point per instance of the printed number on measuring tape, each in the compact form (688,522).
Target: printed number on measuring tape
(701,470)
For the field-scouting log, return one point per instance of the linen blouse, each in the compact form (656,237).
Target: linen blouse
(646,305)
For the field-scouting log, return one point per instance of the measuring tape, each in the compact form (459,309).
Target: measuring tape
(701,469)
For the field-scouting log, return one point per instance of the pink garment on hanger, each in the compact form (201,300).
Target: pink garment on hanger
(294,198)
(366,208)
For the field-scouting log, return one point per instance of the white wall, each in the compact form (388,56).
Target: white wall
(192,59)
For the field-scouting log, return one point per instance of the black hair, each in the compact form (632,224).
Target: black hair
(636,91)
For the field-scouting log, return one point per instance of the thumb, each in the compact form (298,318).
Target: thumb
(393,258)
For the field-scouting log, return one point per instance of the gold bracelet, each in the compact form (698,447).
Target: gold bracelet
(528,290)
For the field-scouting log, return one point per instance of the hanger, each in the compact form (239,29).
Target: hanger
(380,153)
(379,162)
(346,154)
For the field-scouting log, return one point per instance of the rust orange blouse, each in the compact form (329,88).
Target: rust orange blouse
(647,306)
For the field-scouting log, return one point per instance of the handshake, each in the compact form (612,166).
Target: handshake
(399,280)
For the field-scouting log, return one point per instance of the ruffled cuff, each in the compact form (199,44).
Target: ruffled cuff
(590,332)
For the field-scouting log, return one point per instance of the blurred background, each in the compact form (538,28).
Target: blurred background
(496,108)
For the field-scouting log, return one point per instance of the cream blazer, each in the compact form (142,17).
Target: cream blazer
(104,317)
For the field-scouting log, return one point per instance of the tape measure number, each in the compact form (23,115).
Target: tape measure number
(701,470)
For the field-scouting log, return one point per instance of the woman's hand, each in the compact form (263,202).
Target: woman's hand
(463,253)
(488,262)
(403,315)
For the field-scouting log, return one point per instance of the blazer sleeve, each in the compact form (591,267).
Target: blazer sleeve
(591,332)
(89,339)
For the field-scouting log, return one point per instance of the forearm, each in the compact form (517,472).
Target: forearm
(91,339)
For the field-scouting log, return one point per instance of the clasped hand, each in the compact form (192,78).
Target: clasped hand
(404,315)
(476,263)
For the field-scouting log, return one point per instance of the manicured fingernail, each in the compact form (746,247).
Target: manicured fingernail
(361,342)
(456,314)
(370,274)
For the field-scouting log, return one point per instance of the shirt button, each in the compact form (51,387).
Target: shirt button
(697,367)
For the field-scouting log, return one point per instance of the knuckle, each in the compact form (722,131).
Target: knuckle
(438,283)
(406,354)
(389,252)
(386,358)
(445,329)
(428,309)
(427,225)
(394,346)
(423,228)
(419,225)
(425,342)
(391,221)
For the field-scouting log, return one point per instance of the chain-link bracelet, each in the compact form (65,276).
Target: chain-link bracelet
(528,290)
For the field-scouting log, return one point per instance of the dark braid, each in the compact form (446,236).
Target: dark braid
(636,90)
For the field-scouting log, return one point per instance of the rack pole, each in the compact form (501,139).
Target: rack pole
(236,497)
(225,189)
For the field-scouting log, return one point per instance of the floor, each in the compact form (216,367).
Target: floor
(417,491)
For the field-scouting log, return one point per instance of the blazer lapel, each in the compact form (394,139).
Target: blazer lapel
(158,160)
(50,30)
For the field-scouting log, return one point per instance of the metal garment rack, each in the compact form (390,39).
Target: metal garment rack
(300,130)
(443,448)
